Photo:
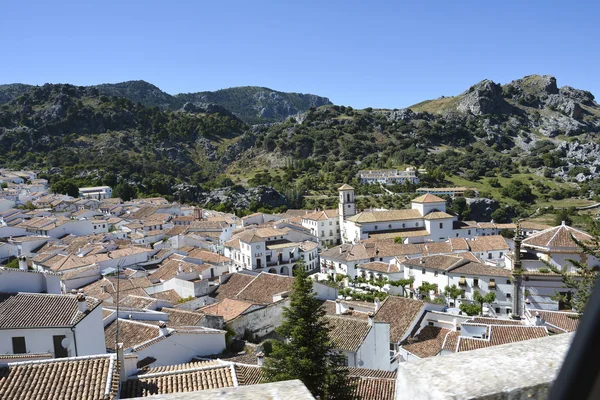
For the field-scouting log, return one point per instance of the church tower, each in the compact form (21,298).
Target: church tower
(346,207)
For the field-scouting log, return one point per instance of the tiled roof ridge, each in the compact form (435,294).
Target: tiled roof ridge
(224,364)
(150,342)
(26,355)
(65,359)
(30,271)
(446,338)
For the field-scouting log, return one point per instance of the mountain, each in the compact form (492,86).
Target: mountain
(529,130)
(250,103)
(258,104)
(140,91)
(12,91)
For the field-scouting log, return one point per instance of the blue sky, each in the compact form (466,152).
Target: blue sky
(360,53)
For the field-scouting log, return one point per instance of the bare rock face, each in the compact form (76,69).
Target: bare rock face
(483,98)
(482,208)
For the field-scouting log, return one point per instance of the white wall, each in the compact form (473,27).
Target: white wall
(89,333)
(375,350)
(179,348)
(15,280)
(259,322)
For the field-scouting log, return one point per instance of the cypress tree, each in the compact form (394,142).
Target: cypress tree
(307,353)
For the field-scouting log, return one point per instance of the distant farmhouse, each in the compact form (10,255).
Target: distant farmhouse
(97,192)
(388,176)
(449,191)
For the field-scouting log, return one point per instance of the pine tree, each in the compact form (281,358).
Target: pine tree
(307,353)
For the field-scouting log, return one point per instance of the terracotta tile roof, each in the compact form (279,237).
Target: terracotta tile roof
(534,226)
(26,356)
(131,333)
(372,388)
(428,342)
(232,286)
(347,333)
(559,321)
(193,379)
(321,215)
(476,268)
(208,256)
(399,312)
(440,262)
(229,309)
(248,375)
(106,288)
(557,237)
(345,186)
(379,267)
(428,198)
(371,249)
(262,288)
(133,301)
(495,321)
(182,317)
(182,367)
(33,310)
(488,243)
(437,215)
(451,341)
(169,268)
(502,334)
(94,377)
(168,295)
(371,373)
(384,216)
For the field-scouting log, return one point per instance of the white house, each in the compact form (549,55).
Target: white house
(63,325)
(388,176)
(96,192)
(324,226)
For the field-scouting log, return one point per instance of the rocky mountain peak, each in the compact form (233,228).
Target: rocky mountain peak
(483,98)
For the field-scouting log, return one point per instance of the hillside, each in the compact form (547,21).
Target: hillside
(257,104)
(250,103)
(529,131)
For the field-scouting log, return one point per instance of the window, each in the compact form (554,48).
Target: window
(509,311)
(492,284)
(330,222)
(441,225)
(390,226)
(497,310)
(423,270)
(404,225)
(18,343)
(59,350)
(348,197)
(462,281)
(416,224)
(469,232)
(375,227)
(508,281)
(322,223)
(337,222)
(501,254)
(475,282)
(430,323)
(508,296)
(348,205)
(489,256)
(435,273)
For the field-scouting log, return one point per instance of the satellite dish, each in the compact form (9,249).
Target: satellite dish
(65,343)
(361,363)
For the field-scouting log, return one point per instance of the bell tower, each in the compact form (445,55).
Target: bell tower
(346,207)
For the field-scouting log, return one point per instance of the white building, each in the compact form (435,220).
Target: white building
(324,226)
(425,221)
(270,250)
(62,325)
(448,191)
(388,176)
(96,192)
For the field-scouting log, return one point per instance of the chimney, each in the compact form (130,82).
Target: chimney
(180,269)
(338,307)
(162,327)
(563,223)
(377,303)
(103,289)
(23,263)
(81,303)
(538,319)
(121,360)
(371,318)
(260,358)
(197,214)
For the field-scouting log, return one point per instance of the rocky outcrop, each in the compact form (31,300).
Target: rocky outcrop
(483,98)
(240,198)
(482,208)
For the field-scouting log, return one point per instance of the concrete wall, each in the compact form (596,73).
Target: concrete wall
(15,280)
(259,322)
(374,353)
(179,348)
(512,371)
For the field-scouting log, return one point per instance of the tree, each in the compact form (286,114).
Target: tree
(3,185)
(453,292)
(307,353)
(480,299)
(518,191)
(65,186)
(29,205)
(402,283)
(124,191)
(564,215)
(581,287)
(470,308)
(427,287)
(499,215)
(398,240)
